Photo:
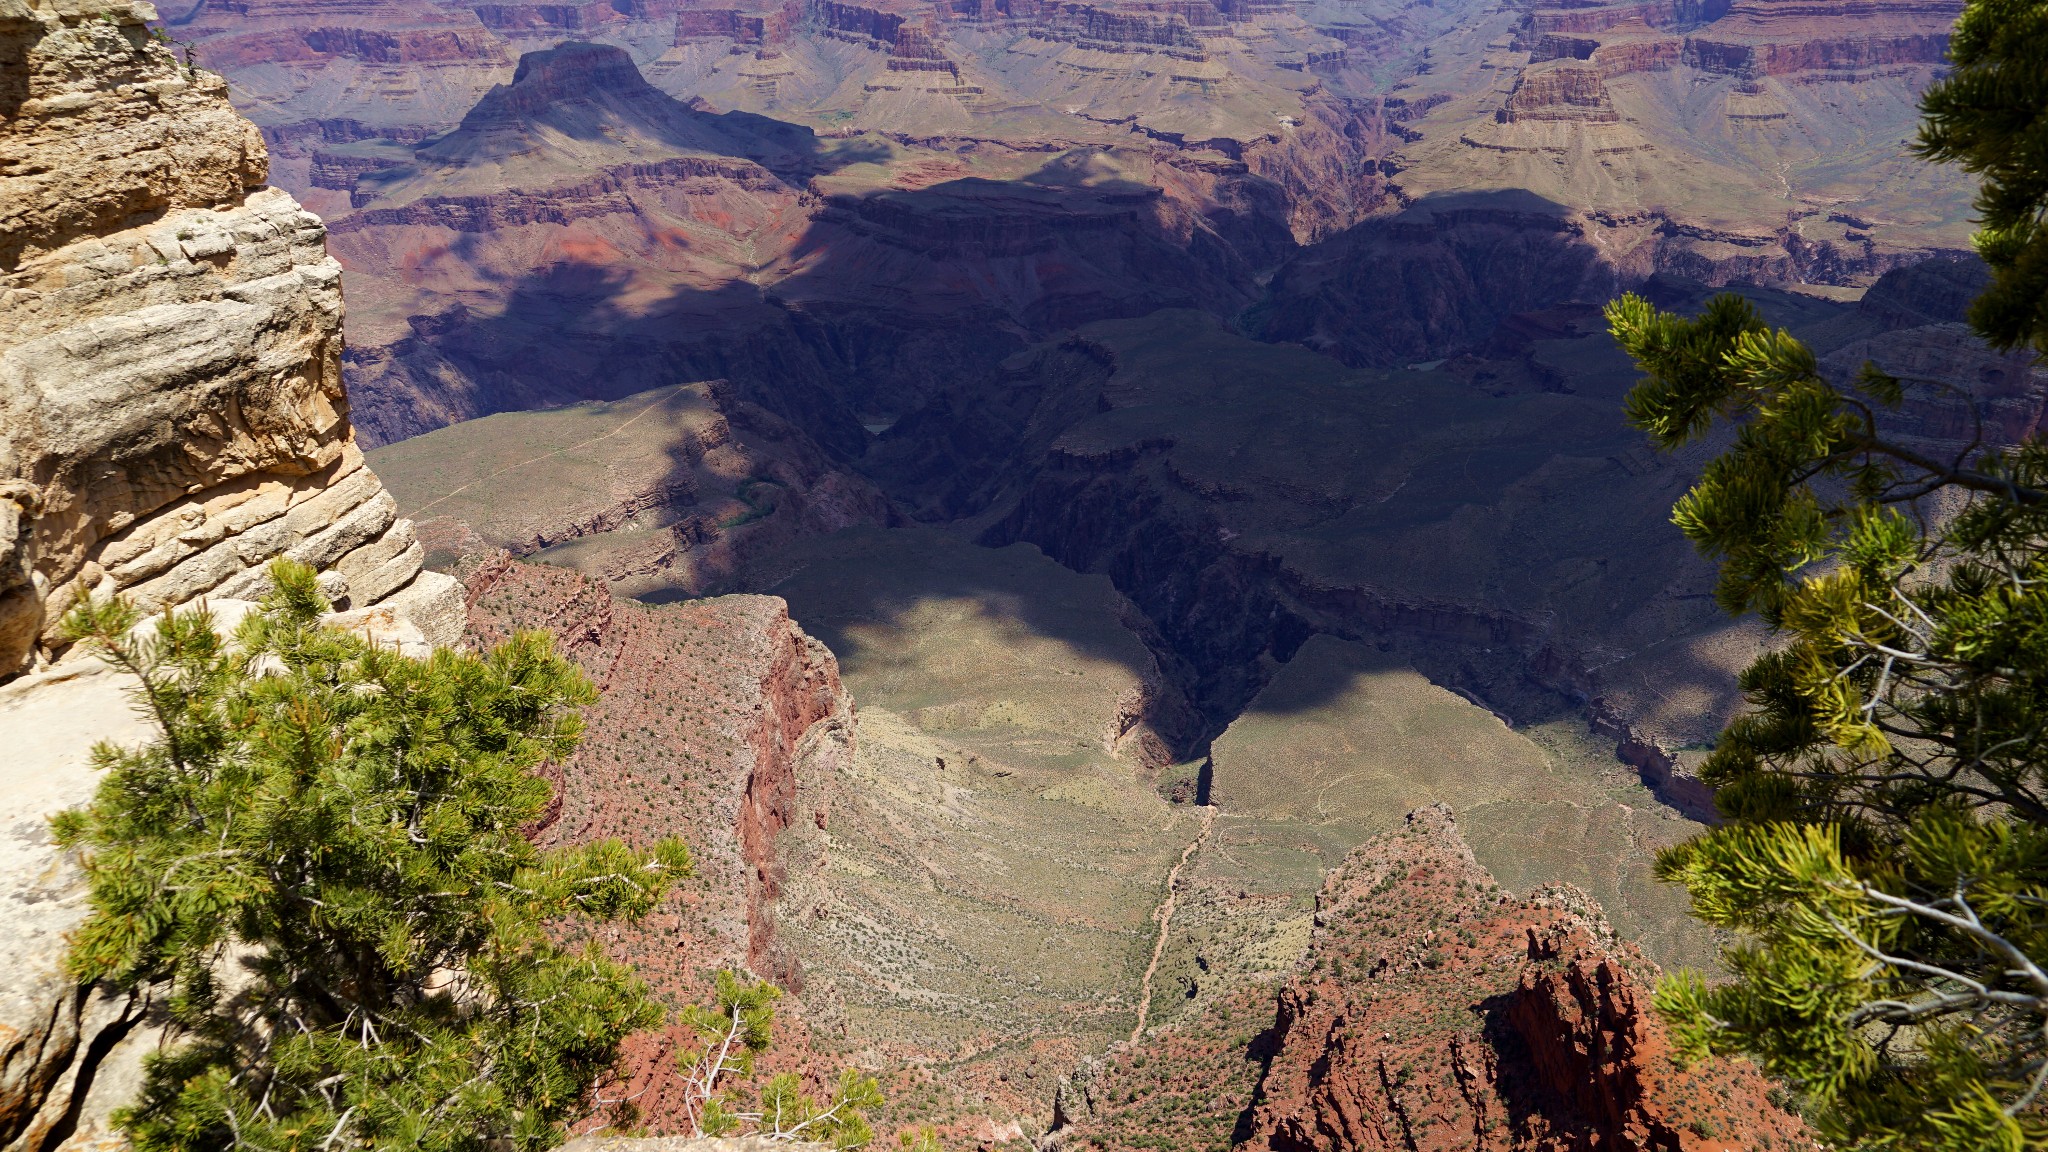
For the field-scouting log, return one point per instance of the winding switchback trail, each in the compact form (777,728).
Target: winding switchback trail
(1164,914)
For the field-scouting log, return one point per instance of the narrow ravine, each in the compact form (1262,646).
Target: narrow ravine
(1164,915)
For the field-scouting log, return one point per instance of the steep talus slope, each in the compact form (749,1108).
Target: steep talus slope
(172,417)
(1432,1010)
(983,913)
(718,721)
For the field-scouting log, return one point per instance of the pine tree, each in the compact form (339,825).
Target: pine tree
(734,1029)
(1884,860)
(1990,116)
(322,861)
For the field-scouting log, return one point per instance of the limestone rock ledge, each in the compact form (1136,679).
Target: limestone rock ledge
(171,418)
(171,406)
(70,1055)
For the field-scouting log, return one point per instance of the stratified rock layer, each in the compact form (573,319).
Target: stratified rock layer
(171,404)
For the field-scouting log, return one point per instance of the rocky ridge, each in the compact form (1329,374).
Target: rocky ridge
(719,721)
(1016,169)
(1432,1010)
(957,180)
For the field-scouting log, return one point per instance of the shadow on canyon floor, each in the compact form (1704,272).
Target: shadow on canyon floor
(1490,521)
(905,306)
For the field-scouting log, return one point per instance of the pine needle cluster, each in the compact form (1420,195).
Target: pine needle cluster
(1885,856)
(1989,116)
(732,1031)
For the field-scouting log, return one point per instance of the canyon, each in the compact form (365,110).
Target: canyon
(838,208)
(1108,527)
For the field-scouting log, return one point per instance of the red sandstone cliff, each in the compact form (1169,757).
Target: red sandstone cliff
(1432,1012)
(1436,1012)
(718,721)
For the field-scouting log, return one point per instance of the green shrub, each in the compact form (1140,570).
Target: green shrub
(322,859)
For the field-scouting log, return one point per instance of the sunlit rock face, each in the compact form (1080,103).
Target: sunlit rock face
(172,413)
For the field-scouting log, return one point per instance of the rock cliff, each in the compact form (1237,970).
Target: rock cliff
(1433,1010)
(719,721)
(172,417)
(171,406)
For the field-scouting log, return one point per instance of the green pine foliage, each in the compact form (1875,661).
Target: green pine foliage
(735,1028)
(1885,859)
(1883,867)
(322,861)
(1990,116)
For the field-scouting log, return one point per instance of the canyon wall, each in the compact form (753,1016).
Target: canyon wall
(1434,1011)
(719,721)
(172,417)
(1431,1011)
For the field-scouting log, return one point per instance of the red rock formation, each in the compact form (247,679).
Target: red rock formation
(1130,26)
(1782,37)
(1566,90)
(548,17)
(1432,1013)
(914,50)
(340,172)
(372,45)
(718,721)
(762,27)
(611,191)
(1574,18)
(1839,39)
(1648,52)
(1435,1012)
(799,689)
(860,22)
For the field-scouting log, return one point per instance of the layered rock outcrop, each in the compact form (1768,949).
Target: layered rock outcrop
(1432,1011)
(1786,37)
(1753,38)
(172,418)
(171,406)
(1564,91)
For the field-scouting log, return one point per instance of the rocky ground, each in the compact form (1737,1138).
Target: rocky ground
(720,722)
(1432,1010)
(1189,425)
(926,870)
(1300,619)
